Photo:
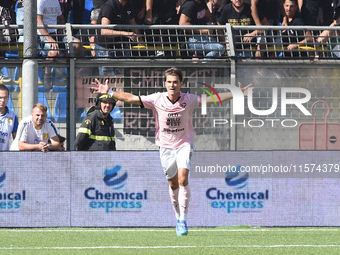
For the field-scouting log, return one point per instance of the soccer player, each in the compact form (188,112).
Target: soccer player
(174,134)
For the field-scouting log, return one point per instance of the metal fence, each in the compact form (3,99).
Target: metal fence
(138,66)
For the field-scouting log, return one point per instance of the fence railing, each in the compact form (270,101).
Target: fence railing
(184,42)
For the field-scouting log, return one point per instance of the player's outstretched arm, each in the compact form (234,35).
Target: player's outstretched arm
(121,96)
(228,95)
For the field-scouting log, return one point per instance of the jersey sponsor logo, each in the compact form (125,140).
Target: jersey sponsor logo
(168,130)
(3,134)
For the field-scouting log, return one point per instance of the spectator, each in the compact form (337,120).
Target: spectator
(115,12)
(8,120)
(291,40)
(316,12)
(327,34)
(20,19)
(49,13)
(5,34)
(35,130)
(96,132)
(265,12)
(331,36)
(94,20)
(88,36)
(158,15)
(196,12)
(139,10)
(77,6)
(216,6)
(239,13)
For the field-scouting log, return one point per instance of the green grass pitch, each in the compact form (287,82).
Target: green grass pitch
(231,240)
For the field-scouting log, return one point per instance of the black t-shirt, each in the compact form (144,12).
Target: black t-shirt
(117,14)
(164,12)
(244,18)
(268,9)
(98,3)
(295,36)
(195,11)
(229,15)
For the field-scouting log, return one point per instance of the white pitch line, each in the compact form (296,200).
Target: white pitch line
(169,247)
(169,230)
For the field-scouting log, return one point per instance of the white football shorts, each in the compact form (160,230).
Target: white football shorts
(172,159)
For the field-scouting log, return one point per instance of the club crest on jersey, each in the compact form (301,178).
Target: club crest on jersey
(45,136)
(9,120)
(183,105)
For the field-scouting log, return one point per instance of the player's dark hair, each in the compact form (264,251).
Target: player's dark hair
(174,71)
(3,87)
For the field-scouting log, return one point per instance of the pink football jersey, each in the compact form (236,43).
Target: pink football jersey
(173,120)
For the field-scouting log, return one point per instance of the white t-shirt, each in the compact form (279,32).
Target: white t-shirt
(50,9)
(27,133)
(173,120)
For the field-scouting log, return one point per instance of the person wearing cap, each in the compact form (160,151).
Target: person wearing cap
(96,132)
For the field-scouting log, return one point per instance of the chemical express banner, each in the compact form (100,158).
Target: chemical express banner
(128,188)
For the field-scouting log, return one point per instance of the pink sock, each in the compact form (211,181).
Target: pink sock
(184,198)
(174,200)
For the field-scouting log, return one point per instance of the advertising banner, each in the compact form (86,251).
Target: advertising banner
(128,188)
(34,189)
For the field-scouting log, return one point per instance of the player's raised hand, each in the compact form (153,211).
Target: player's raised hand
(100,87)
(245,89)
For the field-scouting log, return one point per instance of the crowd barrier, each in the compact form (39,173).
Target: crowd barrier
(128,188)
(176,42)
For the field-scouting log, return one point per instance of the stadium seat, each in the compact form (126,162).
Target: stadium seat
(41,74)
(59,88)
(82,115)
(116,114)
(60,107)
(41,88)
(9,73)
(43,100)
(10,104)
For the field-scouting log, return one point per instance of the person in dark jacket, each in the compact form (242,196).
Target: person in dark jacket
(96,132)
